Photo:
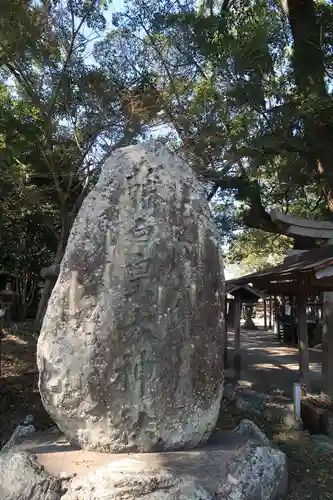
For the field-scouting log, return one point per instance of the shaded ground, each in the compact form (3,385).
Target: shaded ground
(310,470)
(266,362)
(19,394)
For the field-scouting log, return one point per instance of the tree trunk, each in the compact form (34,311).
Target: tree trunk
(225,333)
(237,344)
(309,72)
(67,214)
(25,291)
(50,282)
(44,299)
(303,347)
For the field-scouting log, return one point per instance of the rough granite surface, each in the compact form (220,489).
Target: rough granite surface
(240,465)
(130,354)
(23,478)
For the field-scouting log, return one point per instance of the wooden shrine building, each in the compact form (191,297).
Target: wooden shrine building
(243,294)
(298,276)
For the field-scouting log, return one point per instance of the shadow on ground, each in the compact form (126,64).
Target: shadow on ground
(267,363)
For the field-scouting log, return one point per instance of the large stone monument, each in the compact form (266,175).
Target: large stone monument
(130,353)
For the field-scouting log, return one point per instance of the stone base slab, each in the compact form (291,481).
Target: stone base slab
(240,462)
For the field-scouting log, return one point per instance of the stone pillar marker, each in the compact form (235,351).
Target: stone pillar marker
(130,354)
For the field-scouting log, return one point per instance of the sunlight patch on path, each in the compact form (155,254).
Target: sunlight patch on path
(314,367)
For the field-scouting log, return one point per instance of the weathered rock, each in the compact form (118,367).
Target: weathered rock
(248,429)
(232,387)
(282,414)
(255,473)
(245,397)
(130,354)
(117,481)
(23,478)
(25,428)
(250,401)
(229,392)
(236,460)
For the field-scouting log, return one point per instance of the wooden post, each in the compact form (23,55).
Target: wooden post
(265,315)
(231,313)
(237,352)
(1,335)
(292,323)
(270,312)
(225,354)
(277,318)
(275,315)
(302,329)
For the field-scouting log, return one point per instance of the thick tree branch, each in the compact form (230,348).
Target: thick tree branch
(248,191)
(23,80)
(309,73)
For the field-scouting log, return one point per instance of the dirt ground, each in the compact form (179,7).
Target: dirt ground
(310,469)
(19,394)
(266,362)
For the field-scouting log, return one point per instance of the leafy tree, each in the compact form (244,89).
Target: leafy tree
(258,250)
(25,246)
(63,115)
(311,28)
(227,82)
(240,89)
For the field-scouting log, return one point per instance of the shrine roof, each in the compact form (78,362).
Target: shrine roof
(313,269)
(244,290)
